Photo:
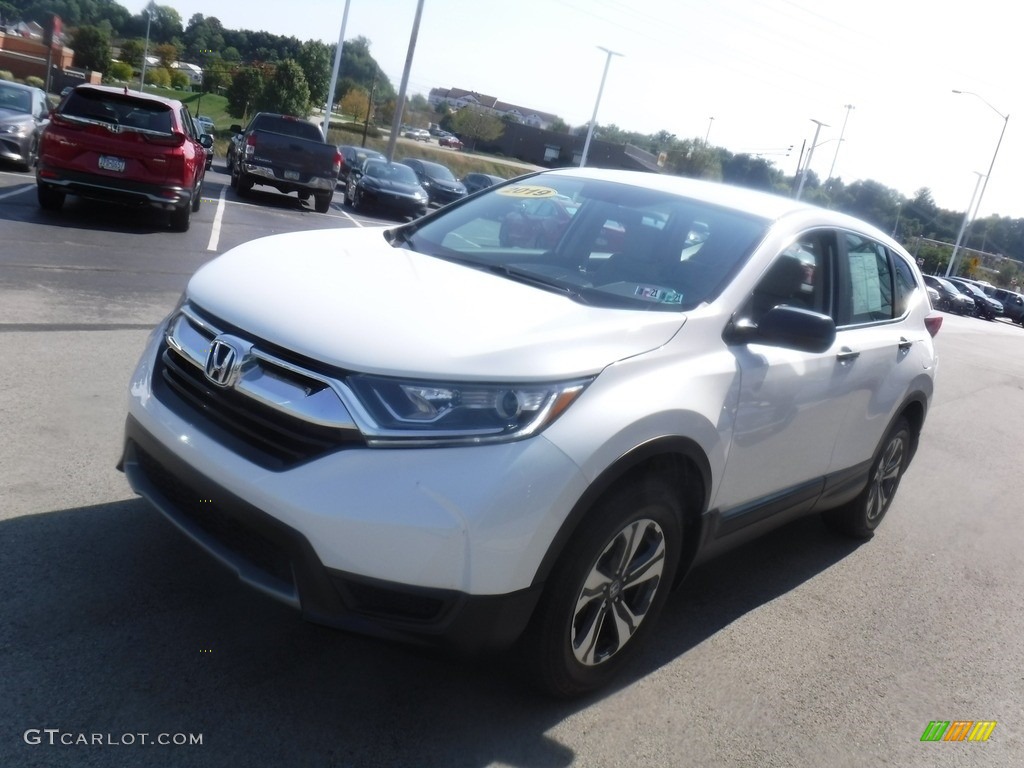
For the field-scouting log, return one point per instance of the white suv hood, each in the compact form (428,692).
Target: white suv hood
(349,299)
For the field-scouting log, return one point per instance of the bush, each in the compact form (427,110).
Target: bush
(120,71)
(35,82)
(158,76)
(6,74)
(179,80)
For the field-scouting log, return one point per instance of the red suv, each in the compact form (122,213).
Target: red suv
(125,147)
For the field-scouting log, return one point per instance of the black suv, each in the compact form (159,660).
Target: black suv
(1013,303)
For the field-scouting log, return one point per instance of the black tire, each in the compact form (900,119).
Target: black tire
(197,198)
(181,218)
(50,199)
(860,517)
(625,555)
(322,203)
(244,184)
(357,203)
(304,196)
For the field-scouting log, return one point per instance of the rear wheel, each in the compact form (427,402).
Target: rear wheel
(860,517)
(181,218)
(50,199)
(322,203)
(607,589)
(244,184)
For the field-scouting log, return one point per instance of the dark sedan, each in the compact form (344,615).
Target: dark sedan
(353,157)
(439,182)
(386,186)
(23,113)
(951,299)
(984,306)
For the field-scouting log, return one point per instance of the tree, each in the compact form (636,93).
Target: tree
(92,49)
(244,93)
(287,91)
(167,53)
(356,104)
(476,125)
(132,52)
(314,58)
(159,76)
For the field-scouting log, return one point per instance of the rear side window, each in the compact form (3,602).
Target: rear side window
(870,280)
(288,126)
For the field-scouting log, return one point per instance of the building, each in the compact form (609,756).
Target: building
(25,53)
(456,98)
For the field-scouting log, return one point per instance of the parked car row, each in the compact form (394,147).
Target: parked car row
(407,187)
(964,296)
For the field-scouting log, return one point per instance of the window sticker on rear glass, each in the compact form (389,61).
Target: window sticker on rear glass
(661,295)
(525,190)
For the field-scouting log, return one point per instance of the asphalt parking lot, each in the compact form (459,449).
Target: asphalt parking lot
(799,650)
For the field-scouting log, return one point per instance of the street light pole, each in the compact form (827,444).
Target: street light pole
(711,121)
(593,119)
(810,154)
(963,226)
(841,134)
(991,165)
(145,52)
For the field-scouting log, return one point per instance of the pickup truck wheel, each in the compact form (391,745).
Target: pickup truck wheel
(49,198)
(606,590)
(181,218)
(244,184)
(860,517)
(304,196)
(323,203)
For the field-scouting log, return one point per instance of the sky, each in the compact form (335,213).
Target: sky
(750,75)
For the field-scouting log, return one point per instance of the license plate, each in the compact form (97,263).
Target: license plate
(109,163)
(291,175)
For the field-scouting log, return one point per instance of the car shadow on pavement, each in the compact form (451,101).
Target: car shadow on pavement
(115,624)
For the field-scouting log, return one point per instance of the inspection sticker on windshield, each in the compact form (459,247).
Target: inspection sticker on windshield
(525,190)
(658,294)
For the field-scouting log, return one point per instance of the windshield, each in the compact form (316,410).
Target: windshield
(602,243)
(390,172)
(435,171)
(15,99)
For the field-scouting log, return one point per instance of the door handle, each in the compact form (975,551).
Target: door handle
(905,344)
(846,355)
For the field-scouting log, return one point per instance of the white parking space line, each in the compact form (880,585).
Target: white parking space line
(17,191)
(215,233)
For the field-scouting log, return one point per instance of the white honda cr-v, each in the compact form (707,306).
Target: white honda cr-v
(521,419)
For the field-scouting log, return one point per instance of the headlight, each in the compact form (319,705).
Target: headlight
(396,411)
(18,129)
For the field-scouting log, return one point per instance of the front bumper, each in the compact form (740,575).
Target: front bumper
(439,545)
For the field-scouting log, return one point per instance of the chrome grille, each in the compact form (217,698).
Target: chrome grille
(280,412)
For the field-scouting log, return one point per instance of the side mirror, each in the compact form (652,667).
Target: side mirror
(785,326)
(206,140)
(235,128)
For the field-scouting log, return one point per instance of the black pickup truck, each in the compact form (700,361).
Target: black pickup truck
(287,153)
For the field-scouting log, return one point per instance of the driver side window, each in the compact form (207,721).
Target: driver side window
(800,276)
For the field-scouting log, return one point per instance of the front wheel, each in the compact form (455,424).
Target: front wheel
(860,517)
(607,589)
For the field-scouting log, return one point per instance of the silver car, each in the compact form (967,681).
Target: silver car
(24,111)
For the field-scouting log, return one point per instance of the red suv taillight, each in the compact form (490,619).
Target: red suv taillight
(933,323)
